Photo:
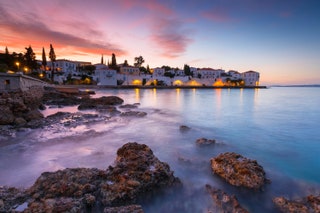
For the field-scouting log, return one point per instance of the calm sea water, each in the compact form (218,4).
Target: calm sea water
(279,127)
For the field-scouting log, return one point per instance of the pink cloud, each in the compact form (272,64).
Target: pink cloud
(169,37)
(30,28)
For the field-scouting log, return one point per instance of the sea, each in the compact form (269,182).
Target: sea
(279,127)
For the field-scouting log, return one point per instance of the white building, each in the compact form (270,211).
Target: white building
(234,75)
(158,71)
(129,70)
(105,76)
(208,73)
(180,73)
(251,78)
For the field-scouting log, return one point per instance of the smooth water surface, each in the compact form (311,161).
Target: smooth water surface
(279,127)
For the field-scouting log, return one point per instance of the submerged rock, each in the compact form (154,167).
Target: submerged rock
(136,173)
(238,170)
(94,103)
(184,128)
(133,113)
(205,141)
(225,202)
(129,106)
(310,203)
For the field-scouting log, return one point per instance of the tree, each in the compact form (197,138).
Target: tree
(113,64)
(52,57)
(89,69)
(102,59)
(30,58)
(186,69)
(125,63)
(148,69)
(139,61)
(44,59)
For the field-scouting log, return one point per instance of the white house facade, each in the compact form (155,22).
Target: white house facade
(251,78)
(105,77)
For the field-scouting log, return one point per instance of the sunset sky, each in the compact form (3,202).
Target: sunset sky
(278,38)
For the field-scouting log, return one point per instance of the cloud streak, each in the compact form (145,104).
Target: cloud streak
(168,34)
(28,27)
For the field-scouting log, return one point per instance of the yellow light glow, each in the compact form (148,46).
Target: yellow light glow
(177,83)
(136,82)
(218,83)
(257,83)
(26,69)
(41,75)
(194,83)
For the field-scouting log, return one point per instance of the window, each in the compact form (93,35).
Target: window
(7,82)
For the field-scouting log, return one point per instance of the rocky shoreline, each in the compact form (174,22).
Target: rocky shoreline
(136,173)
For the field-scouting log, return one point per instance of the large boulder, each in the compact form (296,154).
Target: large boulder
(6,116)
(224,202)
(98,103)
(238,170)
(307,204)
(136,173)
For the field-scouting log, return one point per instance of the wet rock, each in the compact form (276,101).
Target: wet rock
(60,204)
(128,106)
(225,202)
(111,110)
(20,104)
(54,97)
(94,103)
(238,170)
(310,203)
(124,209)
(6,115)
(184,128)
(136,173)
(19,121)
(33,115)
(205,141)
(133,113)
(11,197)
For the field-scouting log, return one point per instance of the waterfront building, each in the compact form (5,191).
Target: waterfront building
(129,70)
(251,78)
(105,76)
(158,71)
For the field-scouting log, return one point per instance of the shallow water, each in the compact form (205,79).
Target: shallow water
(279,127)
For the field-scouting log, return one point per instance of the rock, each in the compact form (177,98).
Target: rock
(94,103)
(238,170)
(225,202)
(6,115)
(133,113)
(11,197)
(124,209)
(128,106)
(184,128)
(19,121)
(60,204)
(205,141)
(310,203)
(53,97)
(33,115)
(136,173)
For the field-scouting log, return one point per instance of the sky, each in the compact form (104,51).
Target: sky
(278,38)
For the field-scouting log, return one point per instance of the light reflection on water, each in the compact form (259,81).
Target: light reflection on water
(277,127)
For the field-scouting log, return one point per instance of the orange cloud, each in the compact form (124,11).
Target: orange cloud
(30,29)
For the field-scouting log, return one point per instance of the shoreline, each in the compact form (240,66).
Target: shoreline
(157,87)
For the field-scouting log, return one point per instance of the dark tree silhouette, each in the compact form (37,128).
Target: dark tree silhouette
(52,57)
(30,58)
(138,61)
(125,63)
(44,59)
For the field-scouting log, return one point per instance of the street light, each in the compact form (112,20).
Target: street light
(18,64)
(25,69)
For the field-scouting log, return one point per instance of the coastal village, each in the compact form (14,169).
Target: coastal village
(68,72)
